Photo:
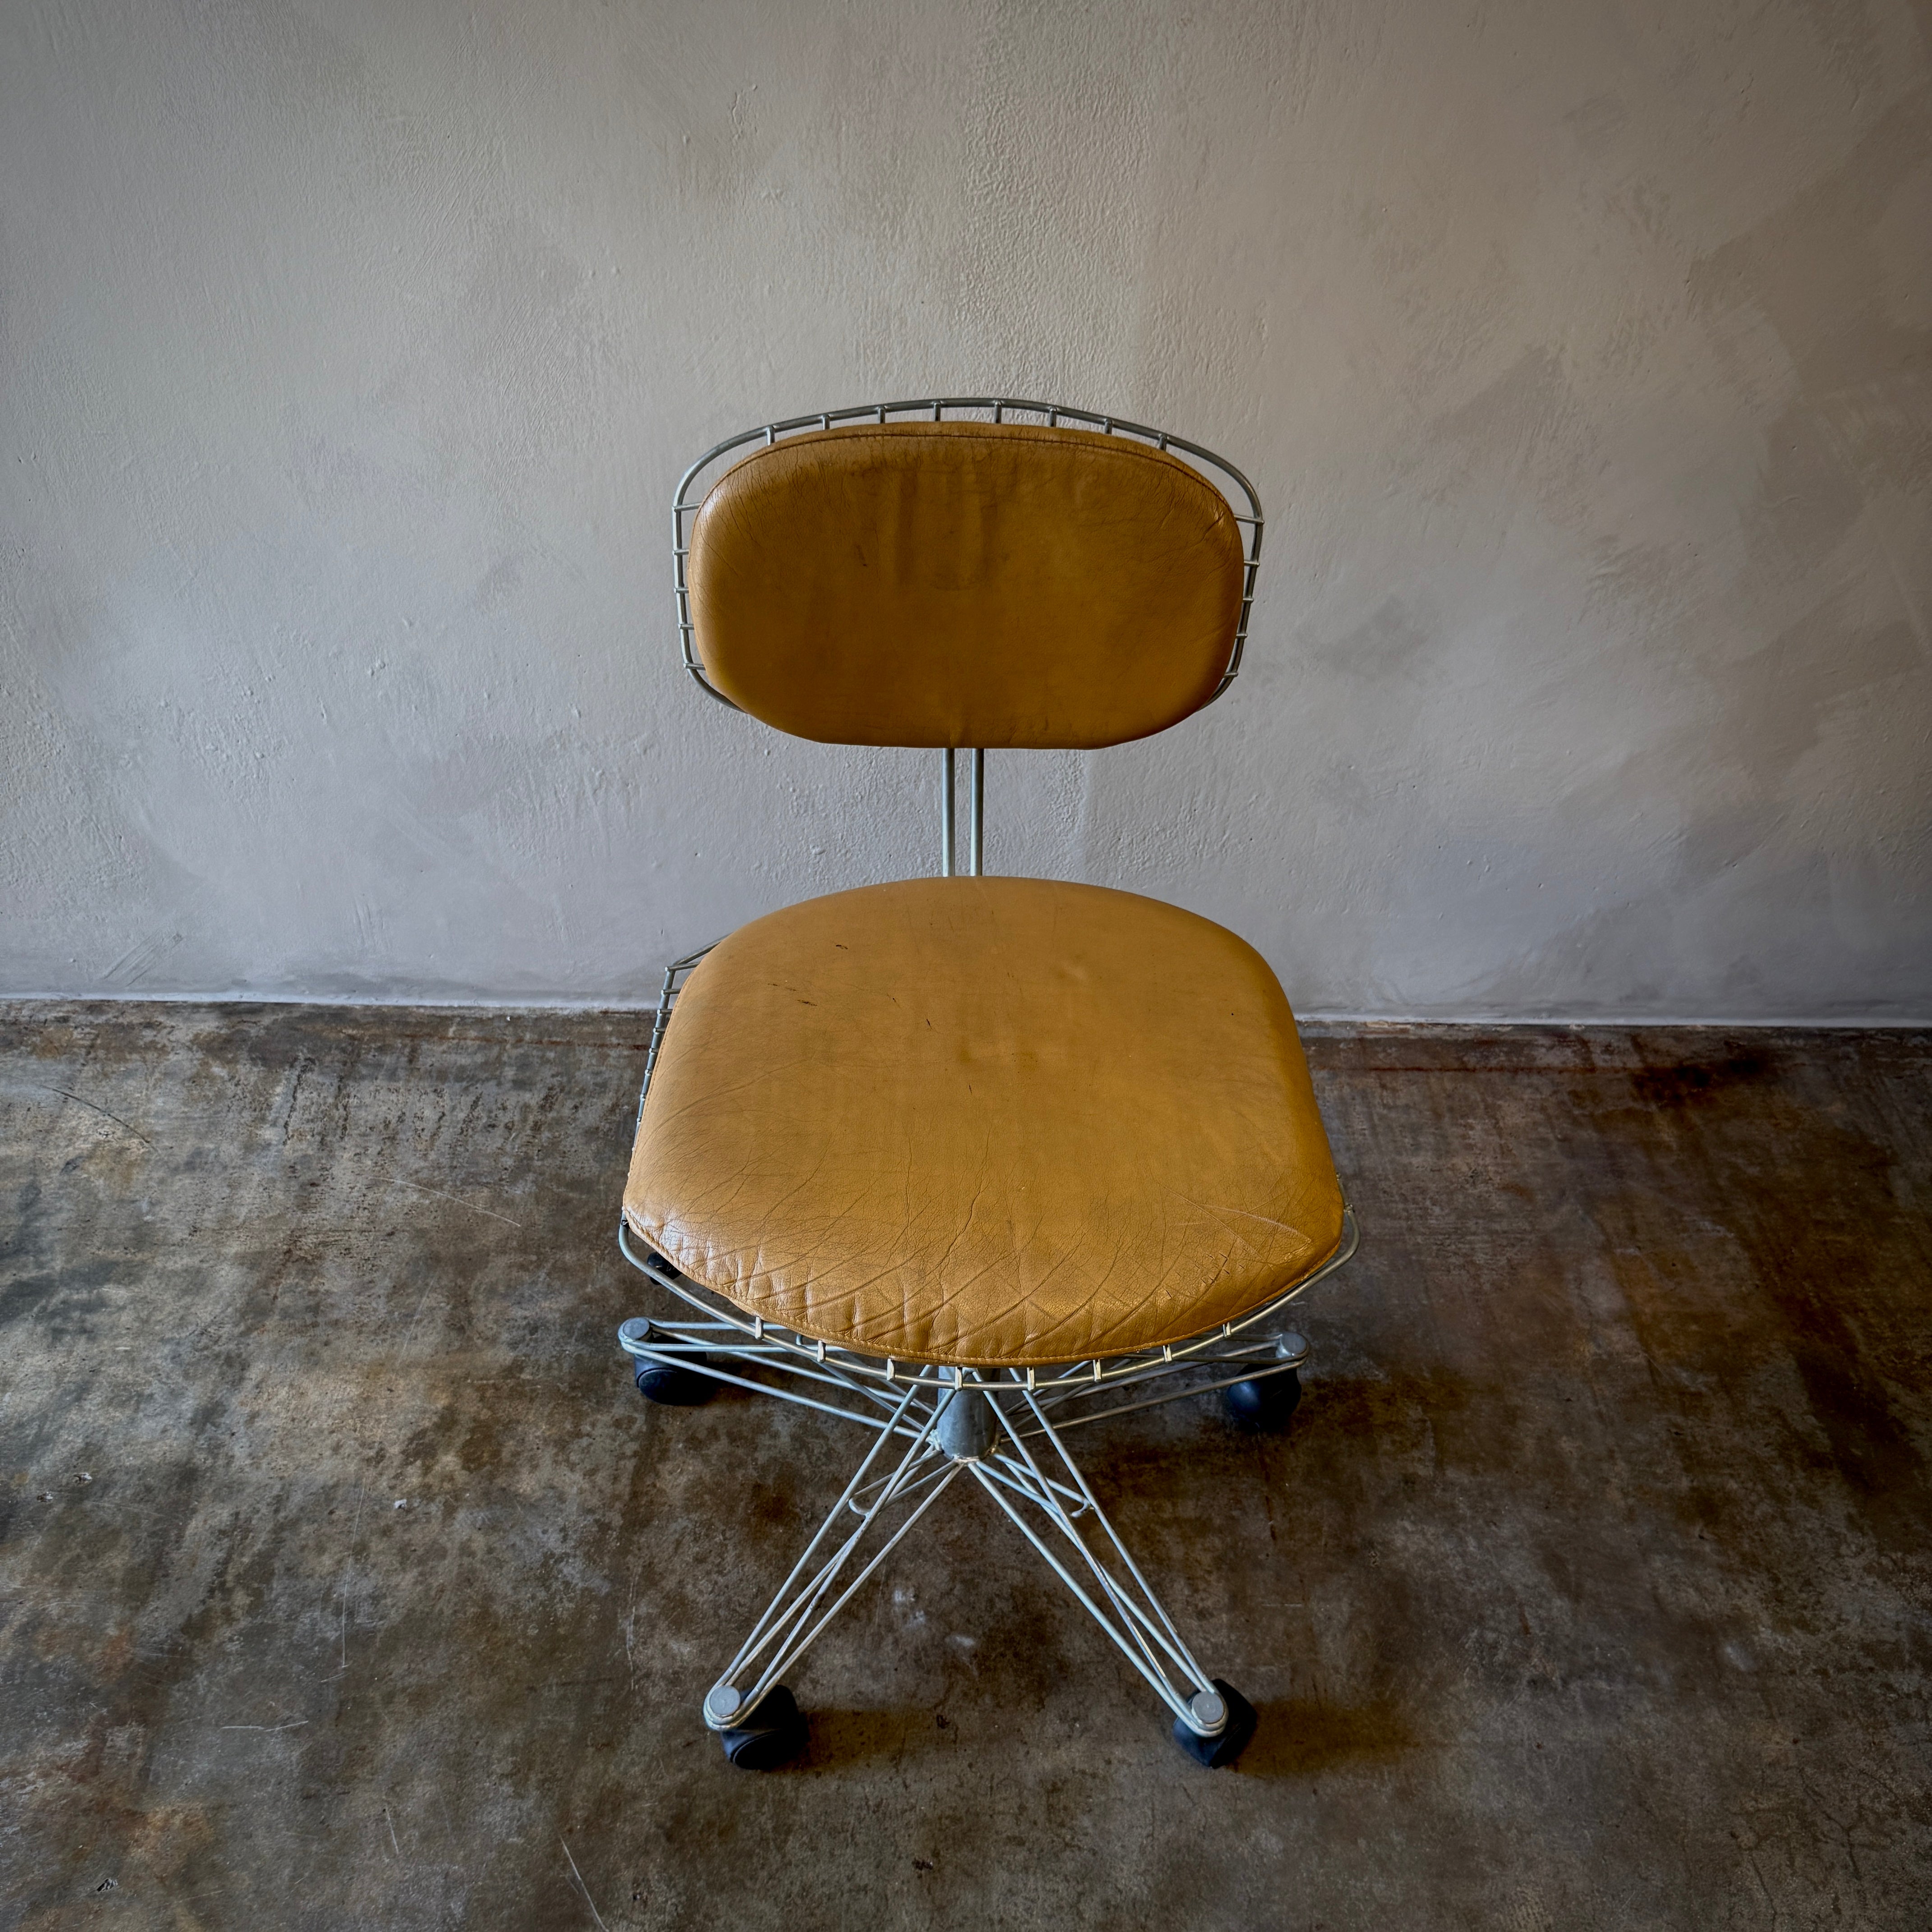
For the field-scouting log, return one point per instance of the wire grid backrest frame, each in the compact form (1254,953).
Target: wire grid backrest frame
(935,409)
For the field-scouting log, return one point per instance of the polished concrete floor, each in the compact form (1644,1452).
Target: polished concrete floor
(345,1582)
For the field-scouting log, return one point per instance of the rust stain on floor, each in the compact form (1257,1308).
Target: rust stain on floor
(344,1581)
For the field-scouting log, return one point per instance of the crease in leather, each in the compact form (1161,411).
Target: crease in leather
(990,1122)
(965,583)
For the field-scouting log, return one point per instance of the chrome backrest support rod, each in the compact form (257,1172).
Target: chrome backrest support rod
(947,840)
(976,822)
(979,822)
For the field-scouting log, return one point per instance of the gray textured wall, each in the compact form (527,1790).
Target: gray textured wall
(348,353)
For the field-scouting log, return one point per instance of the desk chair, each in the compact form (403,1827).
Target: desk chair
(970,1162)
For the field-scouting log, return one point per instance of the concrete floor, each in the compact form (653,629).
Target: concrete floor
(345,1582)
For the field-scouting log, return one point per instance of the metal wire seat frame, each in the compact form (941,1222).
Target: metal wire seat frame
(945,1420)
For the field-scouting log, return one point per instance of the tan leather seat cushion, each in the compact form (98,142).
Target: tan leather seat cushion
(965,583)
(985,1121)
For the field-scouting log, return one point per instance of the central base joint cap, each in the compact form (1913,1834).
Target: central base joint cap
(966,1428)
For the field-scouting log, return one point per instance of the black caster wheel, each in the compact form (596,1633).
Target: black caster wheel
(1224,1748)
(676,1388)
(774,1734)
(666,1382)
(1266,1403)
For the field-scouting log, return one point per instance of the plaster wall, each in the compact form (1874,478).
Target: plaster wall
(348,353)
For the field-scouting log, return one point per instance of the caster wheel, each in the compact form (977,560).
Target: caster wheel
(676,1388)
(775,1735)
(1216,1751)
(1264,1404)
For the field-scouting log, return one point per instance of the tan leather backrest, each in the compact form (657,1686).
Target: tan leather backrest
(964,583)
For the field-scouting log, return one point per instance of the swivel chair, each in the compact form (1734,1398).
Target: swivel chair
(969,1161)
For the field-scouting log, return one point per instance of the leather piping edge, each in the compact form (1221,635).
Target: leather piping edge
(645,1233)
